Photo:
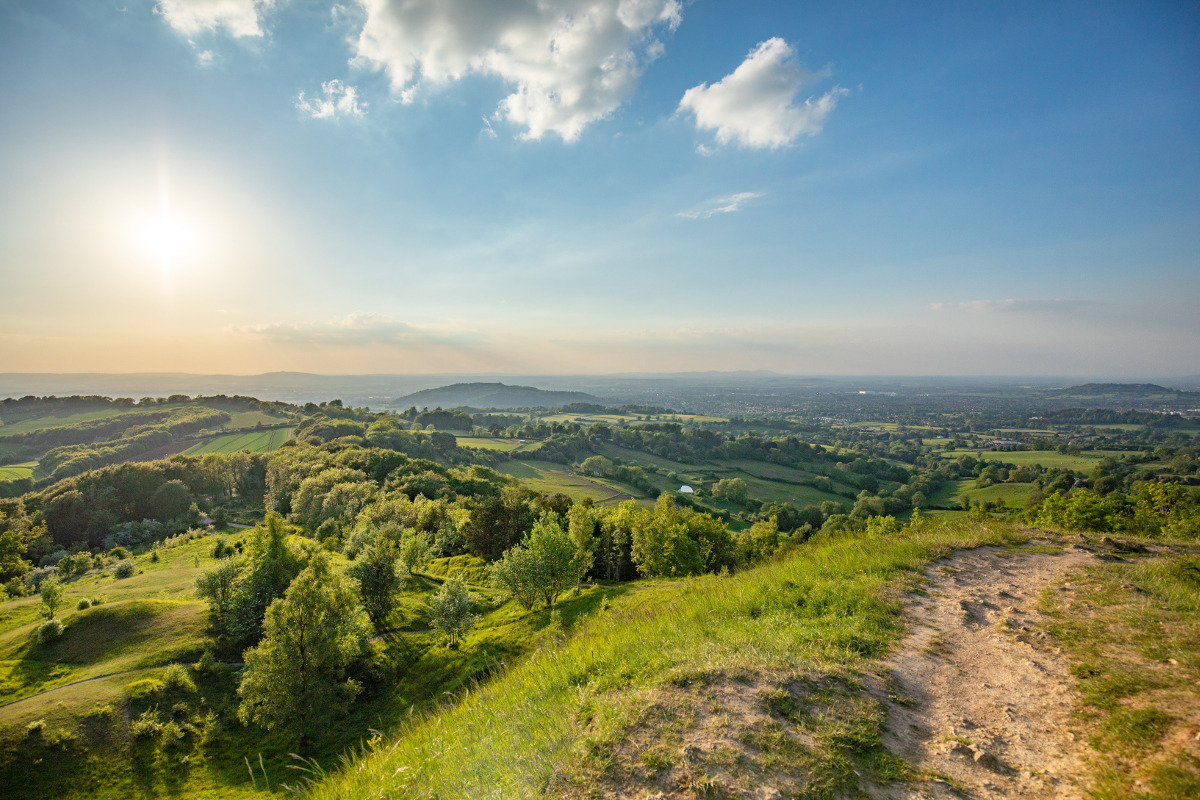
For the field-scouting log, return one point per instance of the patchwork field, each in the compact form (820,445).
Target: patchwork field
(253,442)
(248,419)
(544,476)
(1085,461)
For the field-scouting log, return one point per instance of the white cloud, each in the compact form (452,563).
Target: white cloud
(721,205)
(570,62)
(239,18)
(755,106)
(204,58)
(336,100)
(353,329)
(1009,306)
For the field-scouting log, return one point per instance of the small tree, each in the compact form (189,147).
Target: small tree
(52,596)
(451,610)
(295,677)
(561,563)
(732,490)
(517,573)
(379,576)
(415,549)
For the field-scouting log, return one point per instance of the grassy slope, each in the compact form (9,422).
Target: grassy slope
(253,441)
(550,724)
(1131,631)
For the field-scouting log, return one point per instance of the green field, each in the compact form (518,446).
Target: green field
(253,442)
(248,419)
(43,421)
(15,472)
(1012,495)
(492,443)
(1084,462)
(549,478)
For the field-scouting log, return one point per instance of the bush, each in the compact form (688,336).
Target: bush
(15,587)
(49,630)
(97,600)
(83,605)
(120,553)
(124,569)
(147,725)
(176,676)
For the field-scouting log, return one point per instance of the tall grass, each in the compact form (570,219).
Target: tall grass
(828,606)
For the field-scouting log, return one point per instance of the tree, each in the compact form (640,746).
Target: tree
(581,527)
(561,562)
(296,676)
(376,570)
(596,465)
(171,500)
(661,546)
(451,610)
(415,549)
(52,596)
(218,585)
(732,490)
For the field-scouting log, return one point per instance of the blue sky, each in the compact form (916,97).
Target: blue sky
(602,186)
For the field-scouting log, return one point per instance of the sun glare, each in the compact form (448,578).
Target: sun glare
(167,240)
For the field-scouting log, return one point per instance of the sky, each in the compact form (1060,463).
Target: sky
(600,186)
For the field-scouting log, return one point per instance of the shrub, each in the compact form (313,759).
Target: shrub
(176,676)
(97,600)
(143,688)
(154,557)
(83,605)
(147,725)
(36,728)
(14,587)
(120,553)
(124,569)
(49,630)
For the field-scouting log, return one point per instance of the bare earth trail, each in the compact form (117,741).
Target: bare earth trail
(984,700)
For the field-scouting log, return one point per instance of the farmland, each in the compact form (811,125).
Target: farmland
(549,478)
(252,441)
(496,443)
(15,472)
(1050,459)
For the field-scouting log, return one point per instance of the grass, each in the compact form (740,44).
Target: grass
(15,472)
(17,425)
(1130,631)
(550,478)
(248,419)
(1083,462)
(252,441)
(554,724)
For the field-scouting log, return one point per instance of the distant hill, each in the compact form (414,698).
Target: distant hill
(492,395)
(1124,389)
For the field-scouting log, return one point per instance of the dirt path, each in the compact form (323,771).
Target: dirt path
(985,702)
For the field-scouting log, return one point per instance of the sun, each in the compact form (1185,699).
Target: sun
(167,239)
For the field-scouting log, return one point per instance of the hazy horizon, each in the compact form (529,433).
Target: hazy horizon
(605,188)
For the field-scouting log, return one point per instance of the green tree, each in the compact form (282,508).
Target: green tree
(296,676)
(452,610)
(581,527)
(217,586)
(379,575)
(52,596)
(415,549)
(732,490)
(597,465)
(561,562)
(661,546)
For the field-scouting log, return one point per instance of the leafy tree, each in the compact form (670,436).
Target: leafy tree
(377,571)
(218,585)
(732,490)
(171,500)
(52,596)
(596,465)
(661,546)
(296,676)
(263,574)
(451,610)
(581,527)
(415,549)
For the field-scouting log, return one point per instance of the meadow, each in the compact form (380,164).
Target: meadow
(550,478)
(262,441)
(1083,462)
(12,472)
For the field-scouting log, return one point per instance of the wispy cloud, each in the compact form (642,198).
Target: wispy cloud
(721,205)
(353,329)
(238,18)
(571,62)
(1011,306)
(755,105)
(336,100)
